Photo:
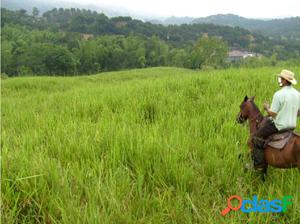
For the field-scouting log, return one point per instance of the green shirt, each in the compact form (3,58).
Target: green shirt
(286,103)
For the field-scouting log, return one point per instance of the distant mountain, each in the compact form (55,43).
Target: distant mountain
(228,20)
(27,5)
(173,20)
(44,6)
(276,28)
(288,27)
(178,20)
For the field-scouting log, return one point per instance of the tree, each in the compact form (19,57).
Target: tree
(59,60)
(87,56)
(35,12)
(6,57)
(135,52)
(178,57)
(49,59)
(156,52)
(209,51)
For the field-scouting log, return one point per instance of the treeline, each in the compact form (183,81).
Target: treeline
(73,41)
(27,52)
(89,22)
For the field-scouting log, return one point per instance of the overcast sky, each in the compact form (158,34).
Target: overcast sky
(200,8)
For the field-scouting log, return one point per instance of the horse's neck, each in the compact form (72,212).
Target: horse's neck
(255,118)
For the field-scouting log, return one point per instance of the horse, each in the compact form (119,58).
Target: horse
(288,157)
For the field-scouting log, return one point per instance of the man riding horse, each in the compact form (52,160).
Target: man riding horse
(282,116)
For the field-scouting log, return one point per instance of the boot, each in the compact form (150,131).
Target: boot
(259,158)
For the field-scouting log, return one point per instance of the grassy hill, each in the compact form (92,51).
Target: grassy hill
(156,145)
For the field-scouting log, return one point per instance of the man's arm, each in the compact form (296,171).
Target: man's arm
(271,113)
(275,108)
(298,113)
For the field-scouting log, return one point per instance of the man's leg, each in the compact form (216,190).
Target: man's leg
(258,141)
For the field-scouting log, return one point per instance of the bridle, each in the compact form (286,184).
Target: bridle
(241,119)
(257,118)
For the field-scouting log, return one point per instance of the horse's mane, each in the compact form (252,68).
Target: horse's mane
(257,109)
(255,106)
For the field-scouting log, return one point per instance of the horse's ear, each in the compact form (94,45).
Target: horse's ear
(252,98)
(246,98)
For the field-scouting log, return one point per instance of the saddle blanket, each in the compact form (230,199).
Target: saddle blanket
(279,140)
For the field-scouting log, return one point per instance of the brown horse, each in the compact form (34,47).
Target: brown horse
(288,157)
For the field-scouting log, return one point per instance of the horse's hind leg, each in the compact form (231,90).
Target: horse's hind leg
(297,151)
(298,159)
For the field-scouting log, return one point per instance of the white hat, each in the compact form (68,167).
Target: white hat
(288,75)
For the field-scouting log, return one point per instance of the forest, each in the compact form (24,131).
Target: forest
(77,41)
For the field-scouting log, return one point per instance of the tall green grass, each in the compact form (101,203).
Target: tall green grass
(155,145)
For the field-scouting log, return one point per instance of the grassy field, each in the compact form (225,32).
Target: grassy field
(156,145)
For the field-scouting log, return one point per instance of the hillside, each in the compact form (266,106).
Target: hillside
(150,145)
(288,27)
(45,6)
(27,5)
(91,22)
(276,28)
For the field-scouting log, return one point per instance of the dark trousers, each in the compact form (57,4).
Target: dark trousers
(258,140)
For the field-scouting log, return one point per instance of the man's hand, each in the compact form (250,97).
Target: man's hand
(266,106)
(269,112)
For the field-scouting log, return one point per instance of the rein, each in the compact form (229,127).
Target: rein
(258,118)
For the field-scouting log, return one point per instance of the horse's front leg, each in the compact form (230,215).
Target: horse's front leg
(249,164)
(264,173)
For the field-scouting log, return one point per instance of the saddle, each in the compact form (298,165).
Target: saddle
(280,139)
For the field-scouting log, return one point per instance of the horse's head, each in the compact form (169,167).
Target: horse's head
(245,109)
